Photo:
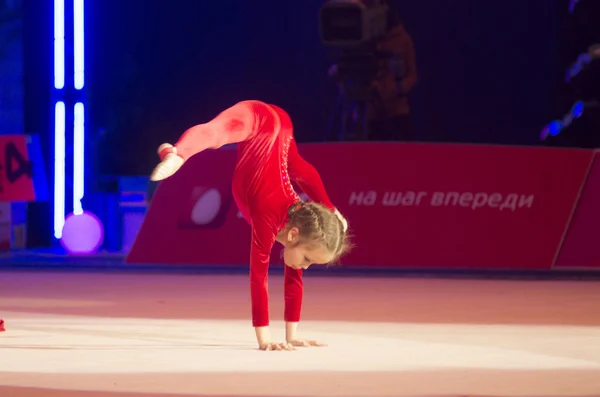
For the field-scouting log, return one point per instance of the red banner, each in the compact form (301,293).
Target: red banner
(16,171)
(460,206)
(580,248)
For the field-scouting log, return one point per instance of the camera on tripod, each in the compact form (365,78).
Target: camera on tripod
(353,30)
(352,23)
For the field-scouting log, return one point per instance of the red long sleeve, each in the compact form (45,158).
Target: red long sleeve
(263,238)
(293,292)
(309,180)
(307,177)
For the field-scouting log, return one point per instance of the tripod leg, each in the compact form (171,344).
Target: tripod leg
(354,114)
(334,115)
(344,120)
(365,122)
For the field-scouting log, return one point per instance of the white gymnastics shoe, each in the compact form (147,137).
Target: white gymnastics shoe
(169,164)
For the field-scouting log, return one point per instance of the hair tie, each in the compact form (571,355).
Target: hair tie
(295,207)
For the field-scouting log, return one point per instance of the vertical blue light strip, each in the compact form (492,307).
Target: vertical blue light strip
(78,44)
(78,158)
(79,125)
(59,118)
(59,44)
(60,131)
(59,168)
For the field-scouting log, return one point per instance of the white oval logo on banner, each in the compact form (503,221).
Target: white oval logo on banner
(207,207)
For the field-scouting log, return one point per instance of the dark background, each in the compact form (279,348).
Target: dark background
(487,69)
(488,72)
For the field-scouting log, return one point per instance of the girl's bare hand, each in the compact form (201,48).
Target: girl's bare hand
(276,346)
(305,343)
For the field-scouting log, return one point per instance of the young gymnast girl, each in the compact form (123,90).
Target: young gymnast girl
(268,160)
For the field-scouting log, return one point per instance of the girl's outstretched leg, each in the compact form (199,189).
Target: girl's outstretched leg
(233,125)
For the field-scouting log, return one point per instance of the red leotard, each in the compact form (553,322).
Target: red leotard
(267,159)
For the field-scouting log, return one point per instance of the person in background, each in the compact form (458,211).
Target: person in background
(389,112)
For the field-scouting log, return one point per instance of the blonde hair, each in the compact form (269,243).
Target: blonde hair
(320,225)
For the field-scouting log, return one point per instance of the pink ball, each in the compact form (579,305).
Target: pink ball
(82,234)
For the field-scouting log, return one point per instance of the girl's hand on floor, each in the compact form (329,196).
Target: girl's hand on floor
(305,343)
(276,346)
